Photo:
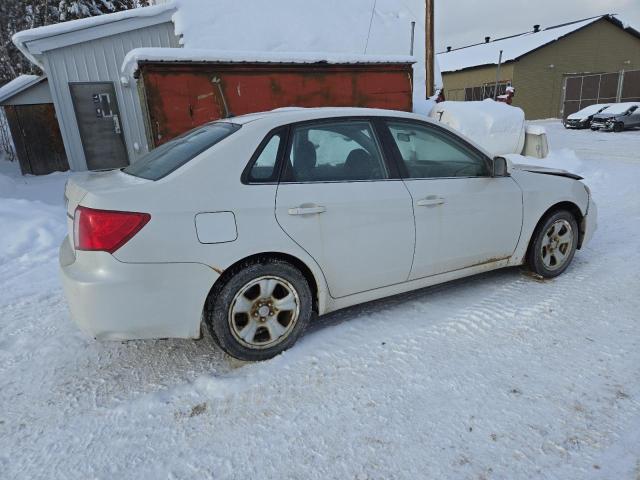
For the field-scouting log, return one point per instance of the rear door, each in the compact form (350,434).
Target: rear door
(337,199)
(464,217)
(100,125)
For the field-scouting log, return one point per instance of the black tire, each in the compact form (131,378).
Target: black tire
(540,258)
(618,127)
(225,326)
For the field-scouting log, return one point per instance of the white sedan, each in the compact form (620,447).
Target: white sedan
(255,224)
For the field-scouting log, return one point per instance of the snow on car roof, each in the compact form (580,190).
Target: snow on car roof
(618,108)
(588,111)
(134,57)
(515,46)
(18,85)
(293,114)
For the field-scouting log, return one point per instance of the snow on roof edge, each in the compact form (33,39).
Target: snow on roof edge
(475,59)
(20,39)
(18,85)
(134,57)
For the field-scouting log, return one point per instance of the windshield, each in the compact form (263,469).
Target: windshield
(172,155)
(619,108)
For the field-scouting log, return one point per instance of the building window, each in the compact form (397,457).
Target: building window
(474,94)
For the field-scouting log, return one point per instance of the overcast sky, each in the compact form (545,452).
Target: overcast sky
(463,22)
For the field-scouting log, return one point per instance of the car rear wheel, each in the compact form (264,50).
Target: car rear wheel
(260,311)
(554,244)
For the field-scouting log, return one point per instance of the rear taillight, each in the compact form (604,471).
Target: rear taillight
(105,230)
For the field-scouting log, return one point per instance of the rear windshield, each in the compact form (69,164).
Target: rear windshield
(172,155)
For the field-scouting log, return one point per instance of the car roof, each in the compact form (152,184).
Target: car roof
(284,116)
(298,114)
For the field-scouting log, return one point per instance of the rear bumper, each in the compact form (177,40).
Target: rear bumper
(111,300)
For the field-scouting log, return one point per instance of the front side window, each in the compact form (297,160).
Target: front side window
(335,152)
(428,152)
(172,155)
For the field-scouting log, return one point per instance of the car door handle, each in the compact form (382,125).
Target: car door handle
(315,210)
(430,202)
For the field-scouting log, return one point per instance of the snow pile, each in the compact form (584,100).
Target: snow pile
(30,217)
(363,27)
(17,85)
(497,127)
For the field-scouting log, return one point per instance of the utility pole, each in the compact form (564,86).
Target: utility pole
(429,26)
(495,93)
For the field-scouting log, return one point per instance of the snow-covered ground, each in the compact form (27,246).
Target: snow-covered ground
(494,377)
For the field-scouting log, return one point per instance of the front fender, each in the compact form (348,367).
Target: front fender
(541,193)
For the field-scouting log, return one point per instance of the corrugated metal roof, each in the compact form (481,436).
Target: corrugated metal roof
(516,46)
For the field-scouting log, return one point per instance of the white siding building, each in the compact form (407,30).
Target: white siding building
(100,115)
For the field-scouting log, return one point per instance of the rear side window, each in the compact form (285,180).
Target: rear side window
(342,151)
(172,155)
(263,169)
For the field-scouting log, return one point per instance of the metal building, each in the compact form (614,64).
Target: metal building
(31,118)
(99,112)
(541,64)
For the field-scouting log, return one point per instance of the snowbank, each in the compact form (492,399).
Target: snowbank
(130,64)
(497,127)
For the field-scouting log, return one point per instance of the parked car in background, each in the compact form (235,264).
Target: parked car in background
(255,224)
(583,118)
(618,117)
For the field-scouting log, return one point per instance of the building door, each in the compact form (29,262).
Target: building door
(36,136)
(98,116)
(586,90)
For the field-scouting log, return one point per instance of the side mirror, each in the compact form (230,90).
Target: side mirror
(500,167)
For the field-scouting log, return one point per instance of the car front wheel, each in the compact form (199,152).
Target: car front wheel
(554,244)
(260,311)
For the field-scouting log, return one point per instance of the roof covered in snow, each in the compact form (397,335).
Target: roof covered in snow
(516,46)
(18,85)
(139,55)
(288,28)
(88,28)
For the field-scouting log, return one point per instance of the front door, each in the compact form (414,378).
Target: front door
(337,202)
(100,125)
(464,217)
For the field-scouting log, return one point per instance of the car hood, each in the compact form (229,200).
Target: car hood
(546,171)
(605,116)
(578,117)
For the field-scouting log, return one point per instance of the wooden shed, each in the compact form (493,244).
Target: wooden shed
(34,126)
(180,95)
